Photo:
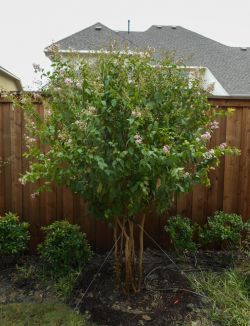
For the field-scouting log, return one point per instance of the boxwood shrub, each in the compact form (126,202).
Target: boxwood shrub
(181,232)
(14,235)
(224,229)
(65,247)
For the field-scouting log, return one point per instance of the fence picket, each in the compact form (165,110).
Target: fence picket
(229,190)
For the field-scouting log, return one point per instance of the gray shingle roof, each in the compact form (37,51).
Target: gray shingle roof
(230,65)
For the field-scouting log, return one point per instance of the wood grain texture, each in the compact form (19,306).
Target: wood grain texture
(244,179)
(2,177)
(216,189)
(232,163)
(229,189)
(8,160)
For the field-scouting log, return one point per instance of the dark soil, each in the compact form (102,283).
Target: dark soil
(166,297)
(20,283)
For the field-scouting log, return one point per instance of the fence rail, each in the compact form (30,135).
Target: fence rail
(229,190)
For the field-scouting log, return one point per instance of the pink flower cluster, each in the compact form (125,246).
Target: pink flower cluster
(79,85)
(24,100)
(32,125)
(36,67)
(34,195)
(29,140)
(222,145)
(214,125)
(69,141)
(68,81)
(166,149)
(138,139)
(91,110)
(136,114)
(81,124)
(206,136)
(22,181)
(209,155)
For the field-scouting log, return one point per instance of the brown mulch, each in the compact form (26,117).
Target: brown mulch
(166,297)
(23,287)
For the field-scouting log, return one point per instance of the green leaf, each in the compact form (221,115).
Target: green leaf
(114,102)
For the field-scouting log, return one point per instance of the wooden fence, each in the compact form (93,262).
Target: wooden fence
(230,189)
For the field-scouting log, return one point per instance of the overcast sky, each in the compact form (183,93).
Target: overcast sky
(28,26)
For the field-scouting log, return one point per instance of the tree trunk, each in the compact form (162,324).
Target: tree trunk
(128,266)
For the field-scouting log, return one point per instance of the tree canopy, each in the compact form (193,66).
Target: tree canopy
(124,132)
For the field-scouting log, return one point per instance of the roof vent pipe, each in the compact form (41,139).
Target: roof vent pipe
(128,26)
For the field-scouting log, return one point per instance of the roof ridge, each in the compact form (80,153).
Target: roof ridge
(126,39)
(188,30)
(202,36)
(89,27)
(145,31)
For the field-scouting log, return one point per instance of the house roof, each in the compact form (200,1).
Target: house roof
(16,80)
(229,65)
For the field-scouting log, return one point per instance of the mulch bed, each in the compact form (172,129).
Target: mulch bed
(26,288)
(166,297)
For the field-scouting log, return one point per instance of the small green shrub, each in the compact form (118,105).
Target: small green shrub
(246,245)
(65,247)
(14,235)
(223,228)
(65,284)
(181,231)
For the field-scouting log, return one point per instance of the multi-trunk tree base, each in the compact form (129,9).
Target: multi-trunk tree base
(128,265)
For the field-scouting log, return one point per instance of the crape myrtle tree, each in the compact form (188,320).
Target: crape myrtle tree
(126,133)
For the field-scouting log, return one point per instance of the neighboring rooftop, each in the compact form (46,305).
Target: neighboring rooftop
(8,81)
(229,65)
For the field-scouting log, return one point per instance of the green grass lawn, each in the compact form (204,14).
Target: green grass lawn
(229,296)
(55,314)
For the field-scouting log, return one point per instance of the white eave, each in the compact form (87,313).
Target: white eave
(208,79)
(73,51)
(13,77)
